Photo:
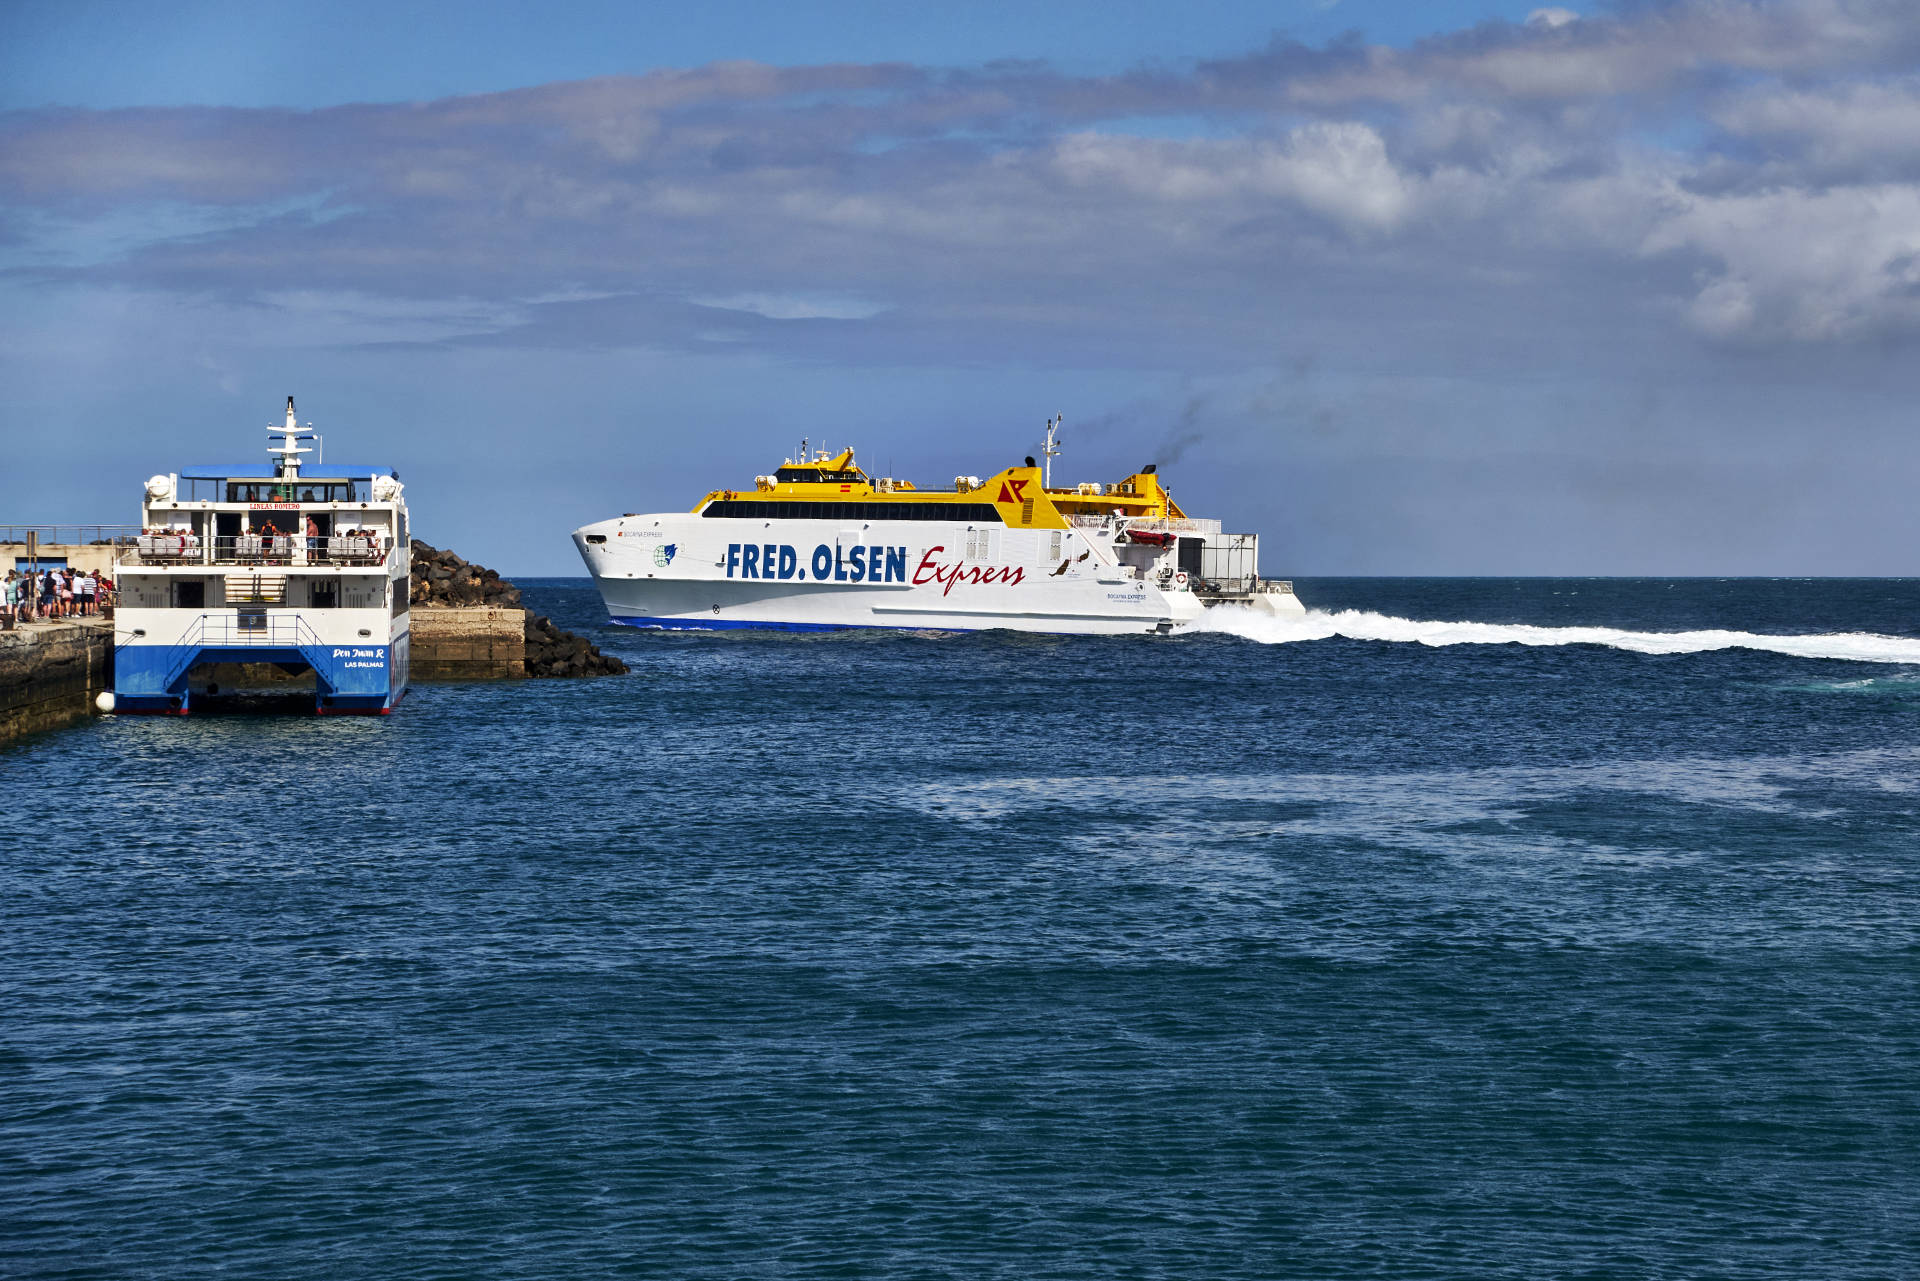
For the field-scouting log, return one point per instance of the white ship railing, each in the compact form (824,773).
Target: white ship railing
(255,549)
(1156,524)
(243,629)
(67,535)
(161,549)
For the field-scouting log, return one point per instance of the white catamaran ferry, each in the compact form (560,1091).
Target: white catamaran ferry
(821,544)
(301,567)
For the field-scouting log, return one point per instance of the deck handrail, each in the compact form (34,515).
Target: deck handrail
(142,548)
(223,630)
(67,535)
(1157,524)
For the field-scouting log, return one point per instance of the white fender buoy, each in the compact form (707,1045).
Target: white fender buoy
(104,700)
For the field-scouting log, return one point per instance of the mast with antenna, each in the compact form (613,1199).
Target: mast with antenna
(287,453)
(1051,451)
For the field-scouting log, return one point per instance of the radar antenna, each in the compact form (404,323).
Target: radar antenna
(1052,450)
(288,452)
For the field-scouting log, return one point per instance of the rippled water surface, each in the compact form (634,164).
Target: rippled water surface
(1373,948)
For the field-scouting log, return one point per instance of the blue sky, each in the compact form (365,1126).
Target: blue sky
(264,54)
(1439,288)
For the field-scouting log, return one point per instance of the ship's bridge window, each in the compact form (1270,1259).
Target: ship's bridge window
(277,491)
(817,476)
(746,509)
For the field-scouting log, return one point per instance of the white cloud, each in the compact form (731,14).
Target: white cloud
(354,316)
(1847,125)
(1338,170)
(1551,155)
(1551,18)
(1801,265)
(781,306)
(1558,55)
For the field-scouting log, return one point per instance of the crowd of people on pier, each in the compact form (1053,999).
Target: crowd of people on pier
(59,592)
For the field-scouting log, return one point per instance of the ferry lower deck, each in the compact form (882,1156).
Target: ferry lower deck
(170,659)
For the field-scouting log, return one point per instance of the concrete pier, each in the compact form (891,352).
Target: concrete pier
(50,673)
(472,643)
(492,642)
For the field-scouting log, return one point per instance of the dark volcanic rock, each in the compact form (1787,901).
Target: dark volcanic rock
(442,578)
(552,652)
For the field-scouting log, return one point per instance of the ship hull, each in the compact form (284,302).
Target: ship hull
(355,670)
(681,572)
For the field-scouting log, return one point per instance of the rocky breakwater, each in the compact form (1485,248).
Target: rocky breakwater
(553,652)
(468,624)
(443,580)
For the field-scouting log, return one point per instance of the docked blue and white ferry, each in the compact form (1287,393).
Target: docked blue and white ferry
(277,566)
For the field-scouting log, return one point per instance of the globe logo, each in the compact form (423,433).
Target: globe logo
(663,556)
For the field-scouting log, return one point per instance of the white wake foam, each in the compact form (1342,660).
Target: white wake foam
(1234,620)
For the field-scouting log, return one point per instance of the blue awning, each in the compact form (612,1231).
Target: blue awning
(262,473)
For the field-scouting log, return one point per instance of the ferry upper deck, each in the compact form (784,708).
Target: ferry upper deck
(834,487)
(233,515)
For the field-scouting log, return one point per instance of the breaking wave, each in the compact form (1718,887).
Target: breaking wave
(1233,620)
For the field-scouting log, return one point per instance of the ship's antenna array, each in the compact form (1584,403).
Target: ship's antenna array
(287,453)
(1052,449)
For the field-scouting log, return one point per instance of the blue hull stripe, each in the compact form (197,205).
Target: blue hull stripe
(347,678)
(743,625)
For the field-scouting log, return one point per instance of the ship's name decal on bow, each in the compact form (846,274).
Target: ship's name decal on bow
(948,575)
(864,564)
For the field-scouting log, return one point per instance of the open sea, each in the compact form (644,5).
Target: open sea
(1471,928)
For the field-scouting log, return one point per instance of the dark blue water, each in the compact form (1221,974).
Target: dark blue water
(868,955)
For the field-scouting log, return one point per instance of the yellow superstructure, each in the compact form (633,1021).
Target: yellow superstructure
(1018,494)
